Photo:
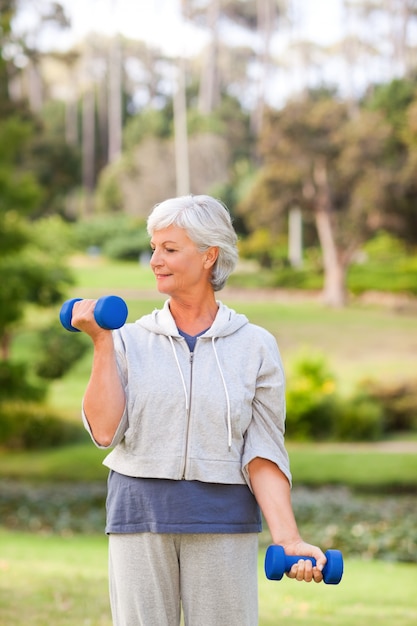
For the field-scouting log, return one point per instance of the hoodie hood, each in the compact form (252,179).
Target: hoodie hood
(161,322)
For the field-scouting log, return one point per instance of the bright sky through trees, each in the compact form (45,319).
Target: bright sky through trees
(158,21)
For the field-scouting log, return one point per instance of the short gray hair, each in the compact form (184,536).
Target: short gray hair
(208,223)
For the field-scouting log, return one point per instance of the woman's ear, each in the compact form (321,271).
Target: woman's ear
(210,256)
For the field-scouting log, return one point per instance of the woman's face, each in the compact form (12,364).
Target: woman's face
(179,267)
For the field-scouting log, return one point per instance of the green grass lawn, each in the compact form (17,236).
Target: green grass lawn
(62,581)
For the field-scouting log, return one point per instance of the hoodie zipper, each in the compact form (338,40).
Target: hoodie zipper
(187,435)
(188,398)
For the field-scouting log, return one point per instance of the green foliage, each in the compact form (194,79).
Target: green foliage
(399,401)
(15,383)
(128,246)
(361,168)
(118,236)
(367,526)
(296,278)
(31,264)
(396,278)
(383,264)
(56,181)
(14,234)
(384,247)
(316,410)
(359,418)
(95,232)
(148,123)
(19,190)
(262,245)
(30,426)
(76,508)
(311,399)
(386,265)
(36,270)
(109,195)
(393,99)
(59,351)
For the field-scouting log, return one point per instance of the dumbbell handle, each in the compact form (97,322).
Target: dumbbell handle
(110,312)
(277,563)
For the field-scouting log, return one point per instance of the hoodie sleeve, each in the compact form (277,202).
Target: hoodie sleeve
(265,435)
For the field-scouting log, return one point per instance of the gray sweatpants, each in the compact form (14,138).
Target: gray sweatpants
(212,576)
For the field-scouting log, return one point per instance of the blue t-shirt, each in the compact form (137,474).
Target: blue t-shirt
(179,506)
(137,505)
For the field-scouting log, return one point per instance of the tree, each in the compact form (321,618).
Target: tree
(31,265)
(397,101)
(332,166)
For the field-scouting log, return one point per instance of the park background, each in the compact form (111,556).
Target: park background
(303,119)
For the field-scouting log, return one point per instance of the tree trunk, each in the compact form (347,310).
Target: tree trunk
(103,123)
(5,346)
(71,121)
(115,100)
(180,132)
(295,237)
(88,147)
(334,289)
(209,95)
(265,19)
(35,87)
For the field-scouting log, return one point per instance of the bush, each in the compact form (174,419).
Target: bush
(29,426)
(294,278)
(311,399)
(399,401)
(360,418)
(315,411)
(59,351)
(263,246)
(101,231)
(127,246)
(386,266)
(15,383)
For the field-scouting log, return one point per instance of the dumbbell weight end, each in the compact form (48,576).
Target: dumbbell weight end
(65,315)
(110,312)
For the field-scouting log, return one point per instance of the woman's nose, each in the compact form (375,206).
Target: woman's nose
(154,259)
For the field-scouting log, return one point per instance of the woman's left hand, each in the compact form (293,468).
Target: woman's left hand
(303,570)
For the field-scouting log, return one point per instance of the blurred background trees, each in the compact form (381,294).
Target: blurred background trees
(270,121)
(277,126)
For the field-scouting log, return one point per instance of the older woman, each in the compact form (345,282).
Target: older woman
(191,399)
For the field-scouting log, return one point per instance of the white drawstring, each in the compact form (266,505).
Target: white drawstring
(229,420)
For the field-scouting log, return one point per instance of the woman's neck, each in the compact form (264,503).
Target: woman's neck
(193,317)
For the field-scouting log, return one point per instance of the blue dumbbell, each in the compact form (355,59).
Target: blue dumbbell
(277,563)
(110,312)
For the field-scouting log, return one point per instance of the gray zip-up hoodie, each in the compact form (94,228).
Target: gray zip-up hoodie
(201,416)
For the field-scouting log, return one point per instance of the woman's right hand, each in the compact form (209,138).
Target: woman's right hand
(83,318)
